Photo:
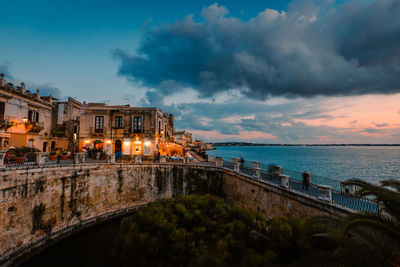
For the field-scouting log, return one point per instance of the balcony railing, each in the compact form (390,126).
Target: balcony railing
(5,124)
(35,127)
(97,131)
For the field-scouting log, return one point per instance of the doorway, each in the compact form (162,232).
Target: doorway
(118,149)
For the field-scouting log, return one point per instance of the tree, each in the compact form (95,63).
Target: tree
(193,231)
(364,238)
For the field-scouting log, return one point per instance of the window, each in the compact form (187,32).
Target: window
(118,121)
(2,105)
(159,127)
(33,116)
(98,124)
(137,124)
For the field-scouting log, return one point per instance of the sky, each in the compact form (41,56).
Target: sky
(272,71)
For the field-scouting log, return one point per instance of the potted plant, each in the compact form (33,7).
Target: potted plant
(20,158)
(64,155)
(53,156)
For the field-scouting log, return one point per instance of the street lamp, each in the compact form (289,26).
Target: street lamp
(24,119)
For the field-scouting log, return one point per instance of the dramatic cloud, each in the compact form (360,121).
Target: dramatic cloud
(315,48)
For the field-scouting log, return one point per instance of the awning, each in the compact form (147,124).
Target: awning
(98,142)
(5,135)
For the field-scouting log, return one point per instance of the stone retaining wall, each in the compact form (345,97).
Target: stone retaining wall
(37,201)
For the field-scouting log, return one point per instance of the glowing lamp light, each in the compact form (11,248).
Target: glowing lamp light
(126,143)
(87,141)
(24,119)
(108,142)
(147,143)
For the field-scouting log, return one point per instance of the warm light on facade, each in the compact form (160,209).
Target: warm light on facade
(127,143)
(108,141)
(87,141)
(24,119)
(147,143)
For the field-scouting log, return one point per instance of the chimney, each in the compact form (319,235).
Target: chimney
(37,95)
(50,99)
(2,80)
(22,88)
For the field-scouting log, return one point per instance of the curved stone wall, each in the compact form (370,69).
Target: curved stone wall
(36,202)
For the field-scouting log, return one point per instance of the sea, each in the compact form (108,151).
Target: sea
(370,163)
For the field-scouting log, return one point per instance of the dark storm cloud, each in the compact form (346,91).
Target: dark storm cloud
(315,48)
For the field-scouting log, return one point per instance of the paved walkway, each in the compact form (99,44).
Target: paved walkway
(338,198)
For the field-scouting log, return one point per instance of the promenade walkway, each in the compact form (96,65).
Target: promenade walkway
(349,201)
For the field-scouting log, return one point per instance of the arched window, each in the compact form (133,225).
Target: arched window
(44,147)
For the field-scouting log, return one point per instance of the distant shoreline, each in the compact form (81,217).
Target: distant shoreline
(256,144)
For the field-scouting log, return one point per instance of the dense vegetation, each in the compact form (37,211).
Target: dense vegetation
(203,230)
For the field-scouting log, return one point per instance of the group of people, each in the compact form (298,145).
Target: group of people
(93,153)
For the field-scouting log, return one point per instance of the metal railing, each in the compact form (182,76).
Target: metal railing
(346,200)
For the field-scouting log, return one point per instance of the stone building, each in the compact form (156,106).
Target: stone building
(28,119)
(125,130)
(25,117)
(65,123)
(119,129)
(183,137)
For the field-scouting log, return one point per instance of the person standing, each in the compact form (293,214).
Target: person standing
(305,180)
(58,156)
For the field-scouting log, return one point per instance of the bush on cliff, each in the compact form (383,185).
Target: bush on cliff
(204,230)
(193,230)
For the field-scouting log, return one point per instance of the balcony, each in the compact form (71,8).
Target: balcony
(97,132)
(34,127)
(5,124)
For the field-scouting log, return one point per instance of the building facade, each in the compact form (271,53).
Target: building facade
(28,119)
(124,130)
(25,117)
(183,137)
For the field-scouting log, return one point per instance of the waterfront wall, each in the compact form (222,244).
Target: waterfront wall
(38,201)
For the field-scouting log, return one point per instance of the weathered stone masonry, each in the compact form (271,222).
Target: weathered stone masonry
(35,201)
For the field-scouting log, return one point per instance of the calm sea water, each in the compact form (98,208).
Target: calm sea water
(371,163)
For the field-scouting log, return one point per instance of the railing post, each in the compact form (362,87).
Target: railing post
(80,158)
(325,193)
(41,158)
(349,189)
(111,158)
(256,170)
(236,164)
(307,178)
(284,181)
(2,162)
(163,159)
(219,162)
(138,158)
(276,170)
(210,158)
(186,159)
